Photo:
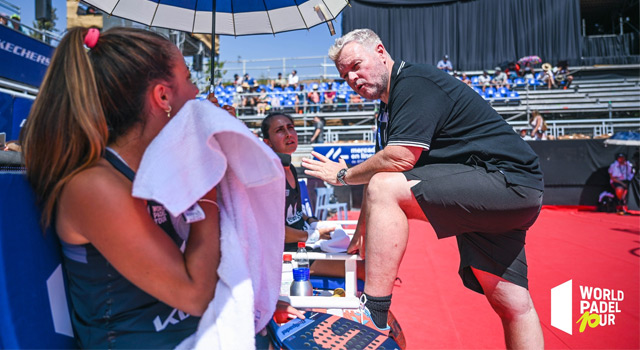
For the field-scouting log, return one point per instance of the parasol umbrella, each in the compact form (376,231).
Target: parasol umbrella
(232,17)
(529,59)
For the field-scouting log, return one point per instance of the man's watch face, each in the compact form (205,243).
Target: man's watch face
(341,175)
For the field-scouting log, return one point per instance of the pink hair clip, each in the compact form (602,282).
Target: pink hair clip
(91,39)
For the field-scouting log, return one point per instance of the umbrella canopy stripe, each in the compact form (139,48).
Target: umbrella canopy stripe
(248,17)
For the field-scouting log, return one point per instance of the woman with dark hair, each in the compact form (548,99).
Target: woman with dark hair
(130,284)
(279,133)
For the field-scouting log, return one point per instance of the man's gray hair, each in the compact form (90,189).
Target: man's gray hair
(365,37)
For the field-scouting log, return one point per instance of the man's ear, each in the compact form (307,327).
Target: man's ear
(268,142)
(160,96)
(381,51)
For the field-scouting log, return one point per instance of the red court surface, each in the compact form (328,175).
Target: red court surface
(592,249)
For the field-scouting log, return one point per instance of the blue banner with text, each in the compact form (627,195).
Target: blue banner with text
(24,59)
(351,153)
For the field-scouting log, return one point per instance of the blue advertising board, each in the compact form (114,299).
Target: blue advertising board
(23,59)
(351,153)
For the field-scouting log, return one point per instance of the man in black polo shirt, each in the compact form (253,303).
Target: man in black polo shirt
(445,155)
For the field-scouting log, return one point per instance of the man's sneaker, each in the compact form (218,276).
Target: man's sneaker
(363,316)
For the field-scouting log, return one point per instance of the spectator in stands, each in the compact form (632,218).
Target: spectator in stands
(15,23)
(262,103)
(500,79)
(484,80)
(444,64)
(465,79)
(443,153)
(527,72)
(620,174)
(237,83)
(279,82)
(249,80)
(4,20)
(122,254)
(524,133)
(330,97)
(250,100)
(301,100)
(293,79)
(314,99)
(562,74)
(318,132)
(513,70)
(538,126)
(547,76)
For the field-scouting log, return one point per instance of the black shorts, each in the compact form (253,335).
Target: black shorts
(488,216)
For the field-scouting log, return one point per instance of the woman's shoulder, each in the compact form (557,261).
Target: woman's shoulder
(97,180)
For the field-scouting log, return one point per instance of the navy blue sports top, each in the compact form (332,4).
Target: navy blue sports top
(109,311)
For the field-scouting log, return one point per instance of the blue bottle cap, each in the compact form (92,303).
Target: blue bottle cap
(301,274)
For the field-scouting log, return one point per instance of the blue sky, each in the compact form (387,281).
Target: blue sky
(301,43)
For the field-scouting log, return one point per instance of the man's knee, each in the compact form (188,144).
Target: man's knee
(510,304)
(386,185)
(507,299)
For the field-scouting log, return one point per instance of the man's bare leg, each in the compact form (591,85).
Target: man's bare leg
(389,203)
(514,306)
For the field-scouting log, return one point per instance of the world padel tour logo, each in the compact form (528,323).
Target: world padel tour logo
(597,308)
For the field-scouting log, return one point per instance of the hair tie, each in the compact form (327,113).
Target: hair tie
(91,39)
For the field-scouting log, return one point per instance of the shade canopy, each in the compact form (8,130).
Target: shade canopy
(233,17)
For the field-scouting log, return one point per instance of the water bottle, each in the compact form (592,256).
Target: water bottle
(302,258)
(287,274)
(301,285)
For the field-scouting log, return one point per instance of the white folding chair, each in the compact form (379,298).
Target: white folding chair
(323,206)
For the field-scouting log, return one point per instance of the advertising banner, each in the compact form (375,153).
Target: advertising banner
(352,154)
(23,58)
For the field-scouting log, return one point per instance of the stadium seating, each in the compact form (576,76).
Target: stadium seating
(586,100)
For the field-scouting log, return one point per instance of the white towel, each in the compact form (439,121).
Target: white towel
(338,243)
(201,147)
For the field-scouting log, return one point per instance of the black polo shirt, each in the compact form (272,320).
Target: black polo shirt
(430,109)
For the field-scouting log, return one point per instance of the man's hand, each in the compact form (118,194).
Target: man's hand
(324,168)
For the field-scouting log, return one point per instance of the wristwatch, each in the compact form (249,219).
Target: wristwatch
(341,174)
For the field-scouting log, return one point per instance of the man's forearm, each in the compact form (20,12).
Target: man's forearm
(390,159)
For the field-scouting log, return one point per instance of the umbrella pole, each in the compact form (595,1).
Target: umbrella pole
(214,57)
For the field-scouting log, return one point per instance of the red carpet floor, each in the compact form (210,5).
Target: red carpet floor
(591,249)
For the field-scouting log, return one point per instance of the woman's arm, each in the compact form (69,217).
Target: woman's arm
(537,127)
(96,205)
